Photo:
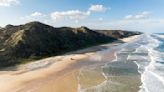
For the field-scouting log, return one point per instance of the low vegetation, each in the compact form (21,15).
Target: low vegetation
(35,40)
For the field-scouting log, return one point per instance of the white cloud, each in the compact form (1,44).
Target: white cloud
(97,8)
(71,14)
(129,17)
(7,3)
(100,19)
(142,15)
(36,14)
(66,18)
(77,14)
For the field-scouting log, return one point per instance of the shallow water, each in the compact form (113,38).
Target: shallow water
(138,67)
(112,75)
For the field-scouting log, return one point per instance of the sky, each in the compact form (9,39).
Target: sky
(133,15)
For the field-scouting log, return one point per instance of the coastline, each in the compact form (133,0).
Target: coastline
(56,76)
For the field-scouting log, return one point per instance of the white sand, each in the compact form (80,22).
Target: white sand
(13,81)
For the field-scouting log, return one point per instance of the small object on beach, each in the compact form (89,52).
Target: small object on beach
(72,59)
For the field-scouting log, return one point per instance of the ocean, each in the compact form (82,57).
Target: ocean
(152,70)
(138,67)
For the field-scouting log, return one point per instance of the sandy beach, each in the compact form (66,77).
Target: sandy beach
(60,73)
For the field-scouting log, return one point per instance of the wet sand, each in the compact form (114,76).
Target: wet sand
(62,75)
(65,83)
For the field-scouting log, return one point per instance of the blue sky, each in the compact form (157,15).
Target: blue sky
(134,15)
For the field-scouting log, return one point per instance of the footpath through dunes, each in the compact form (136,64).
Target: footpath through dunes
(35,40)
(61,75)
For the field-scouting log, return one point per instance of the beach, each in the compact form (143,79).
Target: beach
(74,72)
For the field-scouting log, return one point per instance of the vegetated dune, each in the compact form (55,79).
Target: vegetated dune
(34,40)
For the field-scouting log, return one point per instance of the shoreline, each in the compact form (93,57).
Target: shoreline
(60,66)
